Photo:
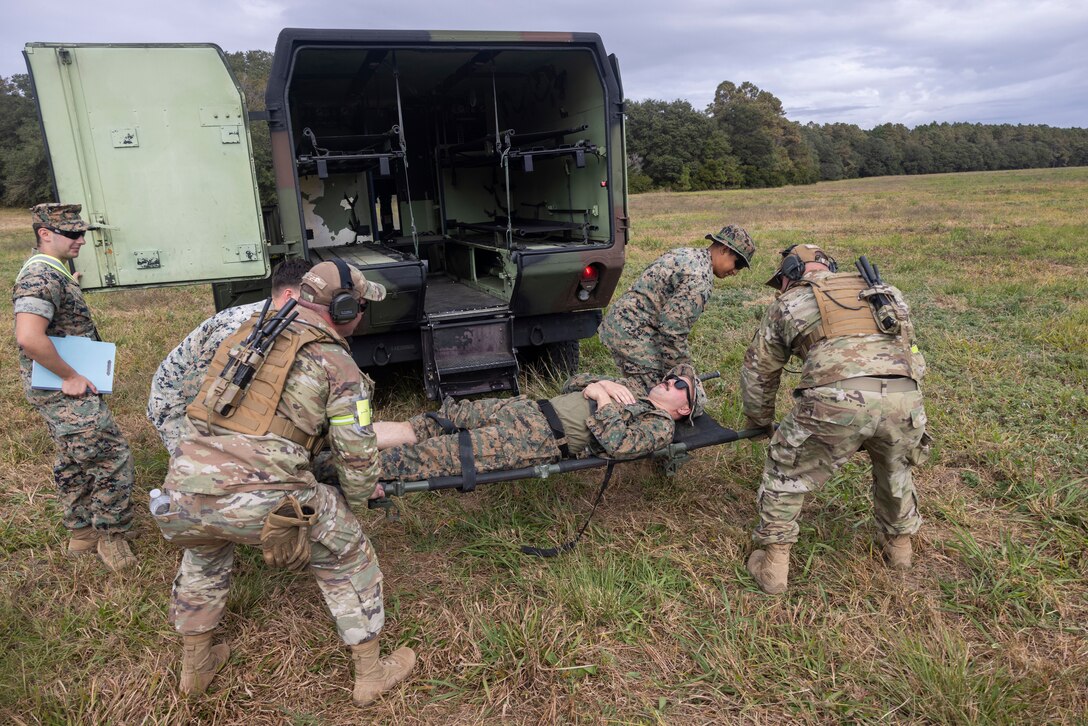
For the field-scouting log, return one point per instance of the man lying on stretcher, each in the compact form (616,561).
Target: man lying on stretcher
(594,416)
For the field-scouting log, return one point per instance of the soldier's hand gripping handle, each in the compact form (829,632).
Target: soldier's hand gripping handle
(285,536)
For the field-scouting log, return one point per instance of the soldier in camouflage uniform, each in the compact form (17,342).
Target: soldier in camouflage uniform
(225,483)
(859,389)
(647,328)
(593,417)
(93,469)
(179,376)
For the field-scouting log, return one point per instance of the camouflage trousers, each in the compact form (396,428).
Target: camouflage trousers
(825,428)
(93,467)
(506,433)
(208,526)
(637,359)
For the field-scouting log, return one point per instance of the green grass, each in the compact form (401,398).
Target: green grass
(652,618)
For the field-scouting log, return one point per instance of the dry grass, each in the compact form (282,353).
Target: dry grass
(652,619)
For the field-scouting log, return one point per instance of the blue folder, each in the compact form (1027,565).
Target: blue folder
(90,358)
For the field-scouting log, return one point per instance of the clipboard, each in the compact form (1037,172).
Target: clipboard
(90,358)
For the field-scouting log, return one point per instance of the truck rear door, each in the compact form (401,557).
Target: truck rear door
(153,141)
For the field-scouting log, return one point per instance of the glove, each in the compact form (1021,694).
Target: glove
(285,536)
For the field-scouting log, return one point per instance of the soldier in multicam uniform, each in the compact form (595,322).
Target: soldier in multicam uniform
(179,376)
(226,482)
(647,328)
(93,469)
(594,416)
(859,389)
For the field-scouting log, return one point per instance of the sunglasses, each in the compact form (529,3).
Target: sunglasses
(681,385)
(67,233)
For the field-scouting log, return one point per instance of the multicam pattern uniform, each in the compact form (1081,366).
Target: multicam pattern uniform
(93,468)
(222,487)
(647,328)
(511,433)
(830,420)
(178,379)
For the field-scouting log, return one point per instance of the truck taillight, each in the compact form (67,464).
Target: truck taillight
(587,281)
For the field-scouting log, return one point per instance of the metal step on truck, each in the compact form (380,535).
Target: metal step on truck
(479,176)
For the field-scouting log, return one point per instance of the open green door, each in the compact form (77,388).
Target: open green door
(153,141)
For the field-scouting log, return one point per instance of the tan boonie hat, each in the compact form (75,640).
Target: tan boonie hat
(736,239)
(322,283)
(698,401)
(64,217)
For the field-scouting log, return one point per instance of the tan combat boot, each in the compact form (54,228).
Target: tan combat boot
(770,566)
(200,661)
(82,541)
(373,677)
(115,552)
(897,551)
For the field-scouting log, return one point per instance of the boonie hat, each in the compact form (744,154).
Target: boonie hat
(322,283)
(698,400)
(64,217)
(736,239)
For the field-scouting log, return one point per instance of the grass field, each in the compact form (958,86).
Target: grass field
(652,619)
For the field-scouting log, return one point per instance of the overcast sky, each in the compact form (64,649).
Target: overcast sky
(865,62)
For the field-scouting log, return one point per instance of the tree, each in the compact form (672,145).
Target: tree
(24,173)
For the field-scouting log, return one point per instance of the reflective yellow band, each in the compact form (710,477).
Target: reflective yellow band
(914,349)
(51,261)
(347,420)
(362,411)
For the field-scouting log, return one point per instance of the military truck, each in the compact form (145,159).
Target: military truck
(479,176)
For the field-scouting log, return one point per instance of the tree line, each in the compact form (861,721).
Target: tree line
(742,140)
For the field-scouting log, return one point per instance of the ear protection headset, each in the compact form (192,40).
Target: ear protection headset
(793,262)
(344,307)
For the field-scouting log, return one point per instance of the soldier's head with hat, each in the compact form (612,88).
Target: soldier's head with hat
(731,249)
(797,260)
(58,229)
(680,393)
(341,291)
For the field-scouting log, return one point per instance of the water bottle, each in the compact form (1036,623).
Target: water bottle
(160,501)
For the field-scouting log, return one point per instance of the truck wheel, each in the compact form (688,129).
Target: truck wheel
(559,360)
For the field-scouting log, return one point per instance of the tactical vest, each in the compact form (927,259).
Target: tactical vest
(256,413)
(842,311)
(573,409)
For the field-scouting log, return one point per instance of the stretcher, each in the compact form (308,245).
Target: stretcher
(688,437)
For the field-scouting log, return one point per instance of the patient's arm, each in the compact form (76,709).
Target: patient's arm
(394,433)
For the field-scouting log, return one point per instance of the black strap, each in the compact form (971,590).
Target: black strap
(443,423)
(553,551)
(556,425)
(468,461)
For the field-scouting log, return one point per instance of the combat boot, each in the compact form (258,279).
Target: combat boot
(897,551)
(82,541)
(770,566)
(374,676)
(200,661)
(115,552)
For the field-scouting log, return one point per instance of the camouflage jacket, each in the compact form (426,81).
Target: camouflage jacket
(45,287)
(624,432)
(660,309)
(326,393)
(786,322)
(177,381)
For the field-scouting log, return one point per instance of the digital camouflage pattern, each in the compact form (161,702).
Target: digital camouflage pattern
(208,526)
(737,240)
(223,485)
(93,467)
(830,422)
(511,433)
(178,378)
(647,328)
(60,216)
